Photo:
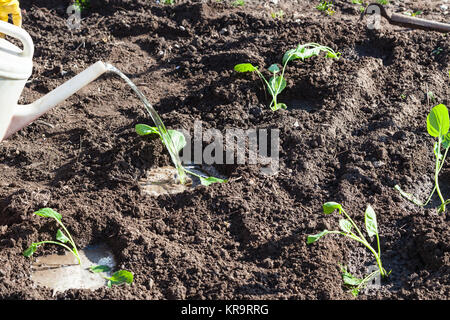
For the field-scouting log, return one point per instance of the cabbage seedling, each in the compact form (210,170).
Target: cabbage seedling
(179,143)
(62,237)
(438,125)
(351,230)
(238,3)
(326,6)
(277,83)
(277,15)
(82,4)
(412,14)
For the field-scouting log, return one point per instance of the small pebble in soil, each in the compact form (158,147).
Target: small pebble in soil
(150,284)
(378,164)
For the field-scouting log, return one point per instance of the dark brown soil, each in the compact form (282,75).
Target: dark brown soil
(353,129)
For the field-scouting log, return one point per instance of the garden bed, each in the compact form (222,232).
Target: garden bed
(354,128)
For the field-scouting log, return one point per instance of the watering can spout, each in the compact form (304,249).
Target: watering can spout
(26,114)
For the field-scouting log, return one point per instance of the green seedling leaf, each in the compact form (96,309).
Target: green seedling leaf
(345,225)
(438,122)
(350,279)
(333,55)
(301,52)
(330,207)
(82,4)
(48,213)
(120,277)
(178,139)
(278,106)
(314,238)
(409,196)
(29,252)
(355,292)
(371,221)
(274,68)
(98,269)
(276,85)
(293,54)
(210,180)
(446,141)
(289,56)
(245,67)
(308,53)
(61,237)
(143,130)
(308,50)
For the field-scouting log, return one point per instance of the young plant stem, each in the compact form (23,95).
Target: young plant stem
(436,175)
(446,202)
(279,84)
(200,176)
(74,252)
(192,173)
(367,279)
(285,65)
(417,202)
(379,249)
(362,240)
(274,98)
(354,225)
(443,159)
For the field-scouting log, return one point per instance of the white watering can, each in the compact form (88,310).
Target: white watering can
(15,68)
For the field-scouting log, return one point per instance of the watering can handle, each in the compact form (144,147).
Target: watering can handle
(22,35)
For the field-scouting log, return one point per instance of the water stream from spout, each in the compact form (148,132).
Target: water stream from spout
(158,122)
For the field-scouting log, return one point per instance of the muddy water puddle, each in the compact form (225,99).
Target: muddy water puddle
(62,272)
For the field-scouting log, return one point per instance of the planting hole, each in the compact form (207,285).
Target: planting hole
(62,272)
(163,180)
(159,181)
